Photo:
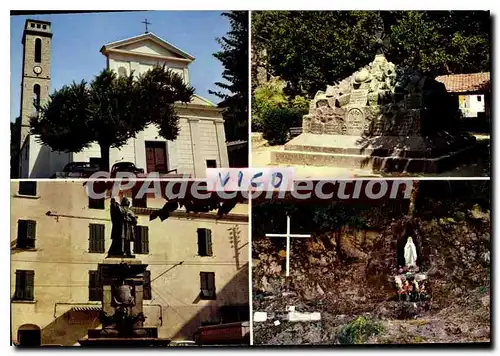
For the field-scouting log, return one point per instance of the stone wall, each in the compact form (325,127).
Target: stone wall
(374,101)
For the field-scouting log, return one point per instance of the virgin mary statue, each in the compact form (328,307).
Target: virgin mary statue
(410,253)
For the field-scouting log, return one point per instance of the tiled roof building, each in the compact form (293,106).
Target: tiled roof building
(465,83)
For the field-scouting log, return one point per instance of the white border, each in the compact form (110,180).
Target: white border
(199,5)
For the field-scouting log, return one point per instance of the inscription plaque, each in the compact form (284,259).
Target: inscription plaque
(359,97)
(355,124)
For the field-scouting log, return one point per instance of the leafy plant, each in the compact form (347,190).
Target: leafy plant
(276,122)
(268,95)
(359,330)
(299,102)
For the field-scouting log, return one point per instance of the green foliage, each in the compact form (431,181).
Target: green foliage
(441,42)
(310,49)
(447,221)
(418,339)
(271,95)
(271,216)
(333,216)
(459,215)
(268,95)
(111,110)
(300,102)
(277,121)
(359,331)
(234,58)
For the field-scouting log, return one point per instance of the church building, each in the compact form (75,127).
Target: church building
(201,142)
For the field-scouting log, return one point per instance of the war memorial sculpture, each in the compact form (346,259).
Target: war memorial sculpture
(122,279)
(392,119)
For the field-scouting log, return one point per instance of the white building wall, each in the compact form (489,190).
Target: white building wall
(179,152)
(41,161)
(209,144)
(143,64)
(476,103)
(184,148)
(471,105)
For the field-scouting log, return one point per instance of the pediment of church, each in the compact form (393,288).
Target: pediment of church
(198,100)
(146,45)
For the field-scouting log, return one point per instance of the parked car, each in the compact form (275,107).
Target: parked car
(125,167)
(182,343)
(237,333)
(79,169)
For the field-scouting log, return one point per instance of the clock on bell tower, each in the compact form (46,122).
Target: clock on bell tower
(35,84)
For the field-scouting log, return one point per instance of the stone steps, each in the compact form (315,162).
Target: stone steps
(367,161)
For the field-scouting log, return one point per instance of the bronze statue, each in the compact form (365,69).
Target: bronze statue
(123,230)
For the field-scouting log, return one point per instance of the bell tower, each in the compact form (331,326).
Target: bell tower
(35,84)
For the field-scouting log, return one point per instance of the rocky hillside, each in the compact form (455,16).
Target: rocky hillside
(350,285)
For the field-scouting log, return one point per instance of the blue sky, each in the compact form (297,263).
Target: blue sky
(77,39)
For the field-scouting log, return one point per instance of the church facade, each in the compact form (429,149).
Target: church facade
(201,142)
(197,271)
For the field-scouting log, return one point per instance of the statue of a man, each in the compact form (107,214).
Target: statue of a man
(123,231)
(410,253)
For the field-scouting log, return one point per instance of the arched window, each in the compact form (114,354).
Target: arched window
(36,98)
(122,72)
(38,50)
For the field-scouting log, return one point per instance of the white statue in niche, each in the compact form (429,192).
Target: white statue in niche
(410,253)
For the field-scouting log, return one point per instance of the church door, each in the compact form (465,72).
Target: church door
(156,156)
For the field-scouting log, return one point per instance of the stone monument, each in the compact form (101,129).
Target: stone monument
(380,117)
(121,277)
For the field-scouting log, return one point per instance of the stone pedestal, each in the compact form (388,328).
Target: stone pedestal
(378,153)
(122,317)
(378,120)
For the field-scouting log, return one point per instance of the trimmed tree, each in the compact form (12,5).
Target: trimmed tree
(110,111)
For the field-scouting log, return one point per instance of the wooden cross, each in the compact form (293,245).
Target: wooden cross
(288,235)
(146,23)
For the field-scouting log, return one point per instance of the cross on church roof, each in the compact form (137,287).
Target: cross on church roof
(146,23)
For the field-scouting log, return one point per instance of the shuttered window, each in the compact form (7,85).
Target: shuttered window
(27,188)
(207,285)
(95,286)
(147,286)
(24,285)
(96,203)
(141,243)
(139,203)
(234,313)
(26,233)
(96,238)
(205,242)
